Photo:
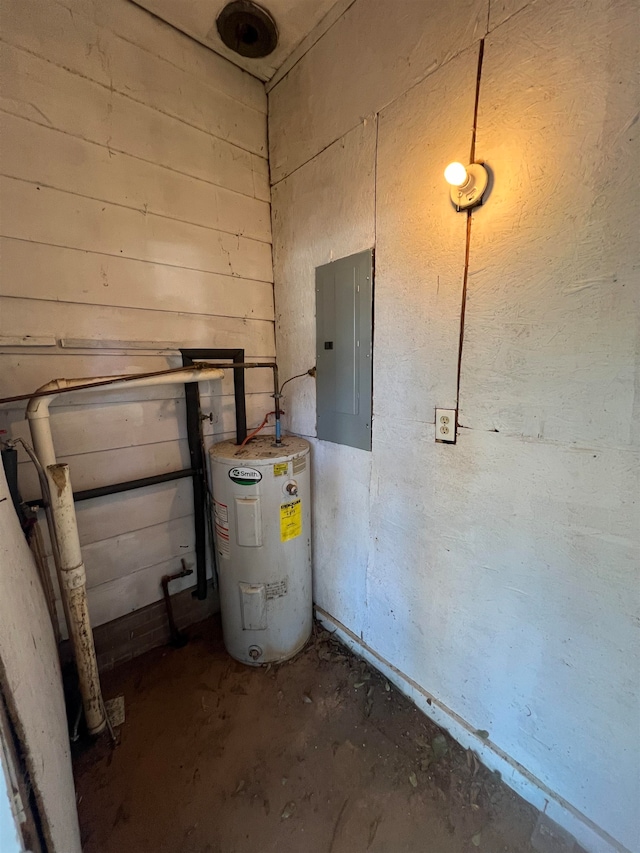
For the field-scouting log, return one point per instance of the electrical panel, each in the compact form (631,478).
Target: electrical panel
(344,335)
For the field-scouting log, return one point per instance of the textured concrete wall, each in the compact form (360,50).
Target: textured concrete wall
(499,575)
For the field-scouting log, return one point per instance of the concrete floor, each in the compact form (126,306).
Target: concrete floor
(318,755)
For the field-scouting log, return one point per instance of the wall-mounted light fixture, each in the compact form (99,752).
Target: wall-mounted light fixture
(467,184)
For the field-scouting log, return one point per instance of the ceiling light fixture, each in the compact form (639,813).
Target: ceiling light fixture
(247,29)
(468,184)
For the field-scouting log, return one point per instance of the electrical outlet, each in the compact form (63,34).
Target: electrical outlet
(446,425)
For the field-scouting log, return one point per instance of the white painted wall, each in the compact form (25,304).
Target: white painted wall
(136,219)
(31,687)
(499,577)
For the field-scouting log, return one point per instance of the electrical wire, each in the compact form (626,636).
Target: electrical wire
(310,372)
(53,536)
(261,427)
(42,477)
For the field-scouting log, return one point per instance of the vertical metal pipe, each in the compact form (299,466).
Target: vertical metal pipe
(178,638)
(276,396)
(240,398)
(74,590)
(194,437)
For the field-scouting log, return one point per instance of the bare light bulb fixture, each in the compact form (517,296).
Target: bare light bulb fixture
(468,184)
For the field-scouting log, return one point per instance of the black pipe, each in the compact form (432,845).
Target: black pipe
(178,638)
(194,436)
(10,464)
(276,397)
(127,486)
(237,357)
(239,366)
(240,399)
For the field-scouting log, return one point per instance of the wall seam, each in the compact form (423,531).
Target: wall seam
(311,46)
(144,210)
(317,154)
(112,149)
(113,90)
(184,70)
(378,111)
(519,11)
(467,249)
(139,260)
(272,227)
(242,317)
(119,37)
(371,538)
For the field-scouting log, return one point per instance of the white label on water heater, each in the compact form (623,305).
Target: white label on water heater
(299,464)
(253,604)
(248,522)
(245,476)
(276,589)
(221,514)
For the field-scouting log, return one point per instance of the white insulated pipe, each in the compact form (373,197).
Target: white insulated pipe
(73,587)
(38,407)
(72,576)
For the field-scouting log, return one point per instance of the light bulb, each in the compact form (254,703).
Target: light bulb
(456,174)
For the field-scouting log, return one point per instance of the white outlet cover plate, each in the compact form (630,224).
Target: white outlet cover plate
(446,425)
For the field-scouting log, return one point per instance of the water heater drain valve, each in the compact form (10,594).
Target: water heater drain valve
(255,652)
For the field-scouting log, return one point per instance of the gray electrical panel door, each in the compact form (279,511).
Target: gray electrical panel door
(344,317)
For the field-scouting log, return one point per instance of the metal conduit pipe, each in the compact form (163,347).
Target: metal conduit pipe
(46,503)
(276,388)
(71,567)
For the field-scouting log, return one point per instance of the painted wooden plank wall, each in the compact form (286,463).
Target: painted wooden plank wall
(136,219)
(32,684)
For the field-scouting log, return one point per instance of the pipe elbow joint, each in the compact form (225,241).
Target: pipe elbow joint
(38,407)
(75,578)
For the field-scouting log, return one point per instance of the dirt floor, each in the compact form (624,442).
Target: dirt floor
(319,755)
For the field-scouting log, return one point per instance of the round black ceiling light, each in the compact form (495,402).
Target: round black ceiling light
(247,29)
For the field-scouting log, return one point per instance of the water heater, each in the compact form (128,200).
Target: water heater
(263,542)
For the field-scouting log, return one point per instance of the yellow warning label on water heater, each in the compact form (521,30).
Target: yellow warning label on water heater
(290,520)
(280,469)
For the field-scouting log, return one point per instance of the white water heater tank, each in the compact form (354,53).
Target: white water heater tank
(263,546)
